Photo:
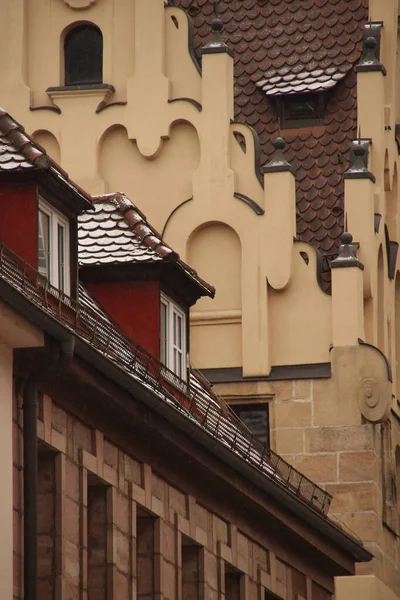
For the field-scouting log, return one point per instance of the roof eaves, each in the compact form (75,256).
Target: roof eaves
(149,236)
(38,158)
(134,383)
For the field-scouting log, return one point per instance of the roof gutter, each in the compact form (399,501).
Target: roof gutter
(271,486)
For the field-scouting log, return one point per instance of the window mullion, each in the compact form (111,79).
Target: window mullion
(170,338)
(54,250)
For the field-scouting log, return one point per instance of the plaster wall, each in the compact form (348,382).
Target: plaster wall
(166,138)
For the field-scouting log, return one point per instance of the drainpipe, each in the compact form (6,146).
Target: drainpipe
(30,406)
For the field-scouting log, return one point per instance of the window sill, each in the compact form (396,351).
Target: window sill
(102,91)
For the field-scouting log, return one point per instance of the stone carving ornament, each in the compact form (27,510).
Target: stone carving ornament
(80,3)
(373,403)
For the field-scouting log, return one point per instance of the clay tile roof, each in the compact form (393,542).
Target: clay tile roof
(19,152)
(287,47)
(117,232)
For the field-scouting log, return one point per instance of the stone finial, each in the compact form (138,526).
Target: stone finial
(370,58)
(216,44)
(278,162)
(359,161)
(347,256)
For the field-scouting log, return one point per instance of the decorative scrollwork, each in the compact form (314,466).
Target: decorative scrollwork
(373,405)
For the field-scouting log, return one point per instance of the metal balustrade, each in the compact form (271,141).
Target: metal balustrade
(194,398)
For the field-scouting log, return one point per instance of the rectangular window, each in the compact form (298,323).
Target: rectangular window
(43,244)
(256,418)
(271,596)
(96,540)
(232,583)
(190,570)
(301,110)
(173,337)
(145,555)
(53,246)
(46,481)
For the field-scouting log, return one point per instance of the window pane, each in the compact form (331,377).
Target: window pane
(177,330)
(61,256)
(177,362)
(163,333)
(84,56)
(44,244)
(255,417)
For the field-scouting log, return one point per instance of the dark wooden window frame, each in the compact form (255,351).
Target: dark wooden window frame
(248,406)
(89,45)
(284,109)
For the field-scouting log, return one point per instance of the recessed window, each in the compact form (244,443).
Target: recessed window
(173,337)
(300,110)
(53,246)
(256,418)
(83,51)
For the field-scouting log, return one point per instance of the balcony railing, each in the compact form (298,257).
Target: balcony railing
(193,397)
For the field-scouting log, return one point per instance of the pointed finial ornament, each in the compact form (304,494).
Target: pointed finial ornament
(359,160)
(278,162)
(216,44)
(371,49)
(347,256)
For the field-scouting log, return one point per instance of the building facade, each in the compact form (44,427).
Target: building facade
(303,322)
(124,475)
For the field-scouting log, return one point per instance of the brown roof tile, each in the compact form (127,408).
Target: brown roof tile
(295,46)
(117,232)
(19,152)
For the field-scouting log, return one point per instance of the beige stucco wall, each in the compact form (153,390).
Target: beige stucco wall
(182,166)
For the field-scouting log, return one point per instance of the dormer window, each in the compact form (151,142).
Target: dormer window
(83,51)
(53,246)
(300,110)
(173,337)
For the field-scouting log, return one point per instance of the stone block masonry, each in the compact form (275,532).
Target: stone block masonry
(110,527)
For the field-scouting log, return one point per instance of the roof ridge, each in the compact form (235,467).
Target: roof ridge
(148,235)
(32,152)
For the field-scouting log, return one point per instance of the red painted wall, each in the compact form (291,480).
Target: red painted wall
(135,307)
(18,215)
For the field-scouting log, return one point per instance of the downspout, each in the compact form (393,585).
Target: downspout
(30,408)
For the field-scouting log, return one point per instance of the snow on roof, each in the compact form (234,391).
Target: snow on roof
(20,152)
(117,232)
(284,82)
(104,237)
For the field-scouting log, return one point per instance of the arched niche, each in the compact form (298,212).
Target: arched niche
(397,334)
(158,186)
(386,172)
(397,487)
(215,252)
(391,205)
(381,301)
(49,142)
(369,320)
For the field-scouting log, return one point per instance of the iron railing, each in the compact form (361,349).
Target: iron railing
(193,397)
